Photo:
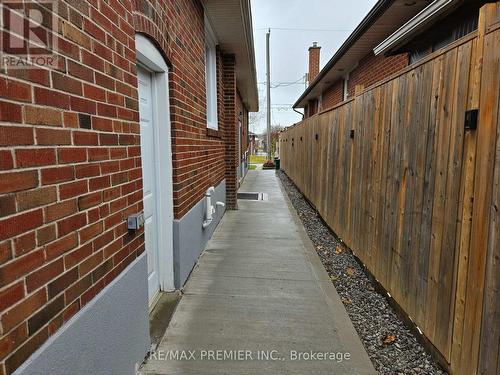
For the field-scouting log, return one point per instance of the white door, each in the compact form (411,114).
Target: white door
(149,176)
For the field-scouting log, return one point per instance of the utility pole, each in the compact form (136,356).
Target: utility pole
(268,96)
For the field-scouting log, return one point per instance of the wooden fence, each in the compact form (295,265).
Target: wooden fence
(393,172)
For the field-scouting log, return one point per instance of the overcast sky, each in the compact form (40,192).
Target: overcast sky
(289,56)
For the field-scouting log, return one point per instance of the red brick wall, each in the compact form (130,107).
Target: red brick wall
(70,155)
(373,69)
(369,71)
(333,95)
(70,159)
(312,108)
(230,121)
(314,55)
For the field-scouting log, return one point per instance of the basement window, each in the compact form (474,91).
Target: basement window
(440,31)
(443,34)
(211,76)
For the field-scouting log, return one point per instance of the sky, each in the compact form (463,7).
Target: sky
(295,25)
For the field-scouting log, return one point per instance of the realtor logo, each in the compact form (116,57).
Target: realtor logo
(28,31)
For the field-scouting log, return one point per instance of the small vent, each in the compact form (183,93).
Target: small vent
(251,196)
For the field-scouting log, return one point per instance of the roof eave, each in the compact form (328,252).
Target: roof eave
(253,102)
(236,37)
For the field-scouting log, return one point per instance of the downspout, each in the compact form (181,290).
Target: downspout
(209,208)
(298,112)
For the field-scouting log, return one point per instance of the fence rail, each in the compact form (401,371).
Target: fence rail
(416,196)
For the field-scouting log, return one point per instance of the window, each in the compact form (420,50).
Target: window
(211,76)
(455,26)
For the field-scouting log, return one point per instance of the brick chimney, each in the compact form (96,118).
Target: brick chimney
(313,61)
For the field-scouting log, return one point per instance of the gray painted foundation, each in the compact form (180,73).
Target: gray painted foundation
(190,238)
(110,335)
(242,172)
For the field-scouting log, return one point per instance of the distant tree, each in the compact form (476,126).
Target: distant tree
(275,130)
(254,120)
(257,120)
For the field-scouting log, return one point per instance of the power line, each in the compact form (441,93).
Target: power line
(280,108)
(287,105)
(275,85)
(278,84)
(301,29)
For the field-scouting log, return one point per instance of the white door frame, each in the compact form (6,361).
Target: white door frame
(149,57)
(240,161)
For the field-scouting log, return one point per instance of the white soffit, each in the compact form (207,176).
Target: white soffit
(231,21)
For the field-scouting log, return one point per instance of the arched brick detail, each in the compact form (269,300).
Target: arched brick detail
(146,26)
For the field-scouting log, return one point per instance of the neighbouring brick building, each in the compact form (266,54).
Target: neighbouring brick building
(378,47)
(355,64)
(138,109)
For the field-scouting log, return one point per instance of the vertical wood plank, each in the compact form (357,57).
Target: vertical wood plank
(445,111)
(421,136)
(448,250)
(465,211)
(489,360)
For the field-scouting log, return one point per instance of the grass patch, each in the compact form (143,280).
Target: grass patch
(252,167)
(257,159)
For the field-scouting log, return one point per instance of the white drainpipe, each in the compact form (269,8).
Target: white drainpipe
(210,210)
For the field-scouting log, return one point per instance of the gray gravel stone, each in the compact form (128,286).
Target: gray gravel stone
(370,312)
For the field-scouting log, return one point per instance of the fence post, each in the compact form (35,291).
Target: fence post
(485,96)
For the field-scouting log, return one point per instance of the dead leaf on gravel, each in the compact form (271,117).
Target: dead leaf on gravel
(388,339)
(350,271)
(346,301)
(338,250)
(319,247)
(334,278)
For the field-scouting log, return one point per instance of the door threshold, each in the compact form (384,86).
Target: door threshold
(153,301)
(160,315)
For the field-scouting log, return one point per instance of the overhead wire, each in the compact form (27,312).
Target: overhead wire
(303,29)
(274,85)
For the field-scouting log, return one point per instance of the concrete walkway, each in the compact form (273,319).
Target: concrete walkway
(261,294)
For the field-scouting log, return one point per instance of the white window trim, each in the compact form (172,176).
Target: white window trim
(211,76)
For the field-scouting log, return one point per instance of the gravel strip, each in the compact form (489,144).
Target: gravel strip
(391,346)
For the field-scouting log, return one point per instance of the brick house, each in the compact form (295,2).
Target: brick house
(355,63)
(393,35)
(138,109)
